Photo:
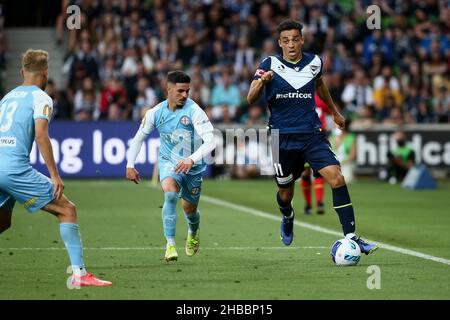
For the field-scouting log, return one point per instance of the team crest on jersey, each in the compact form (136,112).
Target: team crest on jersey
(314,69)
(185,120)
(297,69)
(281,68)
(195,190)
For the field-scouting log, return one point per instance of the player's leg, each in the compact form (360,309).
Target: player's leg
(66,212)
(305,184)
(319,189)
(343,206)
(5,219)
(190,194)
(35,192)
(286,172)
(6,207)
(324,161)
(171,190)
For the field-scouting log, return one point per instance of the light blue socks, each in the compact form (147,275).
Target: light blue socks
(169,215)
(70,234)
(193,221)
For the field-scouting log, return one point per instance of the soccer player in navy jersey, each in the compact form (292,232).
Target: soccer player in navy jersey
(289,83)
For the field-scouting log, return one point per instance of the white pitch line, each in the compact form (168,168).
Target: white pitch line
(267,215)
(163,248)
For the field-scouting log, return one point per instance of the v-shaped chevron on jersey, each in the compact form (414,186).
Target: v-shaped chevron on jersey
(296,78)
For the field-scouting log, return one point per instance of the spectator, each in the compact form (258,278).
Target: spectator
(130,40)
(244,56)
(400,160)
(62,107)
(114,92)
(385,85)
(255,116)
(358,93)
(199,90)
(82,64)
(225,99)
(87,102)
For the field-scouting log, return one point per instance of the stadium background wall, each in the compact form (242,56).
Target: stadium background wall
(98,149)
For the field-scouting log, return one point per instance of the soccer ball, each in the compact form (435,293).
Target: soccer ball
(345,252)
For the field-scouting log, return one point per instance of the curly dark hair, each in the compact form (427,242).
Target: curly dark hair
(289,24)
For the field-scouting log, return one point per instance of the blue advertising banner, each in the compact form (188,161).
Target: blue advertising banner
(96,149)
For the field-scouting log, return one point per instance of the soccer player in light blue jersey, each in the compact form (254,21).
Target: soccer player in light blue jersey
(25,113)
(186,140)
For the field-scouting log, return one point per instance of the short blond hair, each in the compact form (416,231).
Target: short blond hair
(35,60)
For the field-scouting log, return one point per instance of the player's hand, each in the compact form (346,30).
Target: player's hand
(339,120)
(183,166)
(58,187)
(267,76)
(133,175)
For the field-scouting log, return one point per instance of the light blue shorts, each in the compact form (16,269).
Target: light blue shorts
(189,184)
(29,187)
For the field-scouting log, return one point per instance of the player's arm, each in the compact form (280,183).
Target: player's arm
(43,109)
(144,130)
(257,86)
(261,77)
(324,94)
(45,147)
(204,129)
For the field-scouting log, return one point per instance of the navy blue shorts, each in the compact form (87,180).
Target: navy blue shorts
(297,149)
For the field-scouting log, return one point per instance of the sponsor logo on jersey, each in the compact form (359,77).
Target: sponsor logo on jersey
(195,190)
(7,142)
(293,95)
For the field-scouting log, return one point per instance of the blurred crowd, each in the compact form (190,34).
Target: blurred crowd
(117,62)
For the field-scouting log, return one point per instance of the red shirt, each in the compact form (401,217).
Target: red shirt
(322,110)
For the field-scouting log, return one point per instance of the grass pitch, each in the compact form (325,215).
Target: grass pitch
(241,255)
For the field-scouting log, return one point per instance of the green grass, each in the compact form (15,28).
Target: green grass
(118,214)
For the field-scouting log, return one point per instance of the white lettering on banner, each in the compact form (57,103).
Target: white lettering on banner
(446,155)
(365,147)
(97,146)
(70,148)
(431,152)
(383,143)
(416,144)
(371,153)
(114,151)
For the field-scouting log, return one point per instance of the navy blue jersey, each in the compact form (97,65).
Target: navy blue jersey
(290,94)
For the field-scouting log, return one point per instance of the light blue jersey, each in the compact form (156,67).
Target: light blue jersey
(180,132)
(185,132)
(18,180)
(18,110)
